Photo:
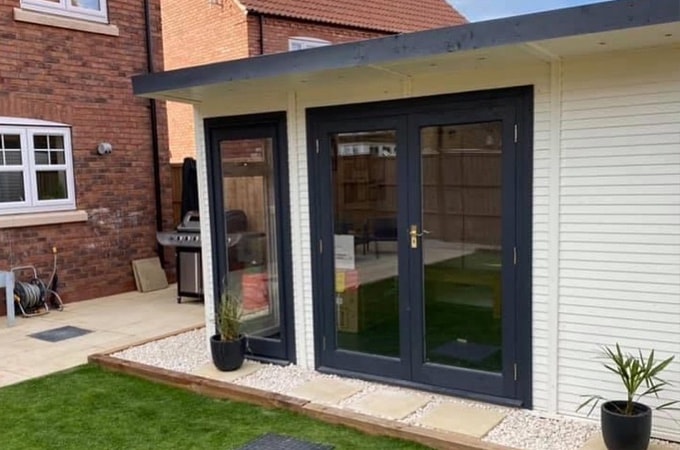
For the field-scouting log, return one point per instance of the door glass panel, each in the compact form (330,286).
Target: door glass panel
(364,187)
(252,232)
(461,247)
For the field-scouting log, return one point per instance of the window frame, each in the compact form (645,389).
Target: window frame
(66,9)
(306,43)
(32,204)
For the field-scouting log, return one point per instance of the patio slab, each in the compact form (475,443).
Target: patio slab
(210,371)
(596,443)
(458,418)
(7,378)
(392,405)
(324,390)
(114,321)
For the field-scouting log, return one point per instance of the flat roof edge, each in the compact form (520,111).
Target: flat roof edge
(580,20)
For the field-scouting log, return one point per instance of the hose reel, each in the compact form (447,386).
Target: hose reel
(29,295)
(32,297)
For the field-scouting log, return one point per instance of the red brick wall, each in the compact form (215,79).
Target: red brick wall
(83,79)
(277,32)
(196,32)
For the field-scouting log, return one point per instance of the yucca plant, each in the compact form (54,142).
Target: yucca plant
(636,373)
(229,317)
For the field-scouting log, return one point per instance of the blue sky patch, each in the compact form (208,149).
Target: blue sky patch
(476,10)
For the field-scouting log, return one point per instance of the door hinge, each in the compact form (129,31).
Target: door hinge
(320,245)
(317,146)
(317,149)
(514,369)
(514,256)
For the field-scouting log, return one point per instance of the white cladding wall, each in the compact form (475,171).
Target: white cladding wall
(606,215)
(619,260)
(384,87)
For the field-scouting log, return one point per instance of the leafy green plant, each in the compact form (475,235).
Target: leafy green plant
(636,373)
(229,316)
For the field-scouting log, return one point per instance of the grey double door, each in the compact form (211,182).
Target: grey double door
(415,217)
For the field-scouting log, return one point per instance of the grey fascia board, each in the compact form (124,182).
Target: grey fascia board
(581,20)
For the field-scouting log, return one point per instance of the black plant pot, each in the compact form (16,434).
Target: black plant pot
(621,432)
(227,355)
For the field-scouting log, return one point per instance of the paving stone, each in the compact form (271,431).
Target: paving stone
(596,443)
(7,378)
(324,390)
(392,405)
(462,419)
(210,371)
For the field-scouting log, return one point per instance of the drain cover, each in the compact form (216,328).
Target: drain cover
(272,441)
(60,334)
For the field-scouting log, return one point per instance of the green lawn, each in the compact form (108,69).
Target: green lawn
(88,408)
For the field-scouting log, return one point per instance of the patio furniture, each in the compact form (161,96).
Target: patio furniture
(359,233)
(381,229)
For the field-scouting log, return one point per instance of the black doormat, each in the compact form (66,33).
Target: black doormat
(272,441)
(468,351)
(60,334)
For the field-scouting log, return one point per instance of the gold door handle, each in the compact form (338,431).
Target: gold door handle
(413,232)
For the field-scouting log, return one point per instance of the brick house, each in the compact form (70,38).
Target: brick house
(200,31)
(65,89)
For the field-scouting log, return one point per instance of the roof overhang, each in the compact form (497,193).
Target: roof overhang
(601,27)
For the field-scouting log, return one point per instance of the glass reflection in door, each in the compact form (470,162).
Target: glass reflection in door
(462,223)
(364,168)
(251,228)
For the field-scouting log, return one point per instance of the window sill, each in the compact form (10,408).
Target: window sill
(37,219)
(22,15)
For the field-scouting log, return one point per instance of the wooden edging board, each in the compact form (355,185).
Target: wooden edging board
(367,424)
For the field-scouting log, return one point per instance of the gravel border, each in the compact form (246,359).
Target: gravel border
(521,429)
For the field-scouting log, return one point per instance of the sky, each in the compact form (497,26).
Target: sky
(476,10)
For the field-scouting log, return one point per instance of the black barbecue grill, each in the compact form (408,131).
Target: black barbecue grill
(243,251)
(187,242)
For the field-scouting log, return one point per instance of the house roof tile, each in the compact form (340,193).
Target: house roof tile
(397,16)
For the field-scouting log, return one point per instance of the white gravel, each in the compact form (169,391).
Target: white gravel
(526,430)
(182,353)
(521,429)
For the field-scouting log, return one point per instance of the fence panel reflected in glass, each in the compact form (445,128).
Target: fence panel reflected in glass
(461,195)
(252,232)
(365,229)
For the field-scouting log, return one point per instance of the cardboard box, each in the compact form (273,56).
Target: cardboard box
(346,279)
(347,312)
(356,313)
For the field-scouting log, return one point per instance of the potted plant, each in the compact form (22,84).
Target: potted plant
(228,346)
(627,424)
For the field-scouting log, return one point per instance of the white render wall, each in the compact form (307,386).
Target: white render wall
(606,207)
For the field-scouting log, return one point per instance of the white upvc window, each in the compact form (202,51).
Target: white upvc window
(302,43)
(93,10)
(36,169)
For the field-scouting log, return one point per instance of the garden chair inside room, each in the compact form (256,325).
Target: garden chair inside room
(381,229)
